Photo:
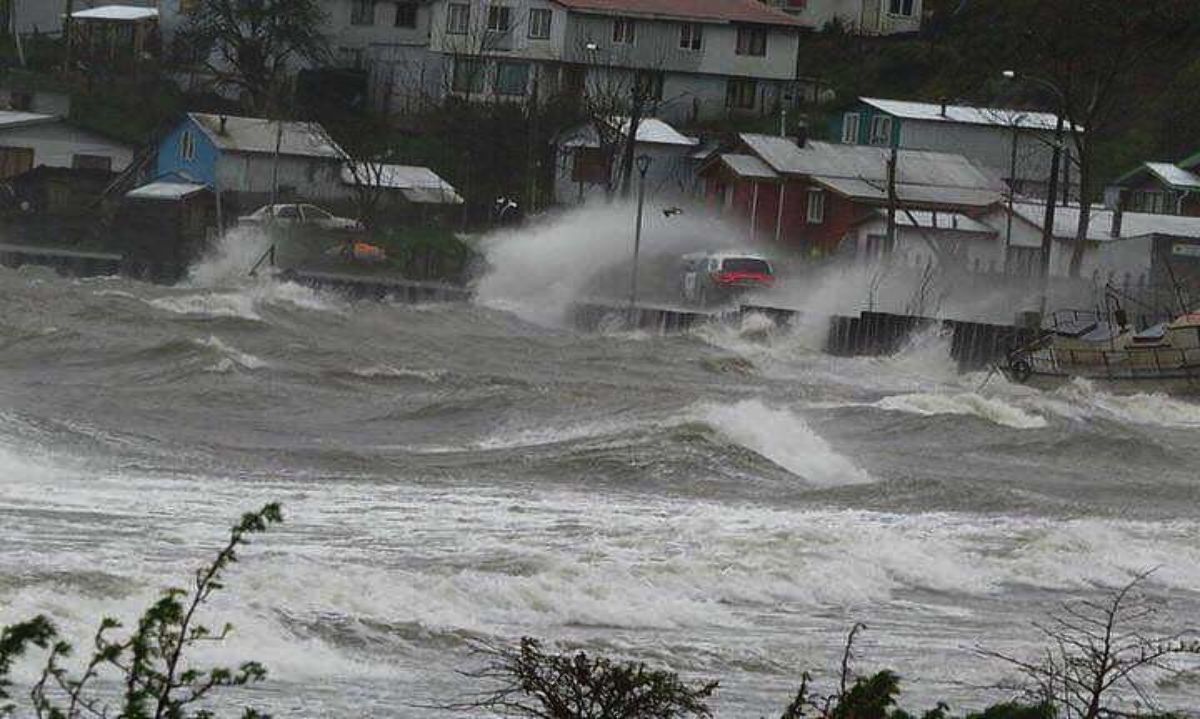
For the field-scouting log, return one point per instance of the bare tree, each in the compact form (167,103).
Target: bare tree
(253,46)
(1098,650)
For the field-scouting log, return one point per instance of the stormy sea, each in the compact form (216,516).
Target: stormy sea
(725,503)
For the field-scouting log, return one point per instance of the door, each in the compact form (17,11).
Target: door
(15,161)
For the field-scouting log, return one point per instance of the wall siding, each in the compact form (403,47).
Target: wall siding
(56,144)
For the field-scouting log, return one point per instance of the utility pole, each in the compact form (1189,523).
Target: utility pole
(1012,187)
(643,164)
(890,245)
(1048,221)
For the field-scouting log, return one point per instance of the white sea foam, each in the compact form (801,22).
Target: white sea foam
(1081,400)
(210,304)
(232,356)
(992,409)
(783,437)
(388,371)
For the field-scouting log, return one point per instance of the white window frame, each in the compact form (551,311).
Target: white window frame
(691,36)
(460,12)
(851,127)
(187,146)
(624,31)
(902,8)
(881,131)
(744,43)
(541,20)
(499,17)
(523,90)
(815,214)
(732,98)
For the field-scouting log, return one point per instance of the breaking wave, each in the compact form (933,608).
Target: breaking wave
(992,409)
(785,439)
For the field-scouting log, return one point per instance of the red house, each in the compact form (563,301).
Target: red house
(807,195)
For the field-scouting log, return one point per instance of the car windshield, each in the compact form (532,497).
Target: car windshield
(315,213)
(746,264)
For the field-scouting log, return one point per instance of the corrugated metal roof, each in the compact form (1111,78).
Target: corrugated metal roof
(165,191)
(749,166)
(964,114)
(119,13)
(722,11)
(419,185)
(650,130)
(953,221)
(1173,176)
(1133,224)
(259,135)
(9,119)
(860,171)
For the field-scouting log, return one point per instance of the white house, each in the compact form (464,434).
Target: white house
(585,169)
(865,17)
(46,16)
(1017,145)
(926,238)
(31,140)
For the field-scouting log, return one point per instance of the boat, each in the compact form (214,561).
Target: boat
(1102,347)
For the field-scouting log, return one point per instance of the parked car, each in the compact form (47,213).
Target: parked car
(714,277)
(306,216)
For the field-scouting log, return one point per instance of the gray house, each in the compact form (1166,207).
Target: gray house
(864,17)
(585,169)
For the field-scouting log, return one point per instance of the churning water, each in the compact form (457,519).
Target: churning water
(725,503)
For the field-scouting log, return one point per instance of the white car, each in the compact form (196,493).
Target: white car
(309,216)
(716,277)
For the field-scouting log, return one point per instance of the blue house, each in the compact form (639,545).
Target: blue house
(237,157)
(1016,145)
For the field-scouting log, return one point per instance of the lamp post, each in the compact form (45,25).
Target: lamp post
(1052,185)
(643,164)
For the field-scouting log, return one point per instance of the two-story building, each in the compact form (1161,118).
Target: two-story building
(810,195)
(1017,145)
(863,17)
(697,58)
(1162,188)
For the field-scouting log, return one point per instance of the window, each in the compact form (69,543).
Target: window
(352,57)
(91,162)
(881,131)
(22,101)
(1152,201)
(468,75)
(362,12)
(752,41)
(512,78)
(406,14)
(499,18)
(650,85)
(188,6)
(901,7)
(458,19)
(741,94)
(539,23)
(312,213)
(691,36)
(287,212)
(623,31)
(187,146)
(816,207)
(850,123)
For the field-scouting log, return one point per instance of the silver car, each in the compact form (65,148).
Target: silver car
(295,215)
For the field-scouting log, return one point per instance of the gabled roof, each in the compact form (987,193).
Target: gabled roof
(1172,176)
(749,166)
(10,119)
(947,221)
(260,135)
(117,13)
(712,11)
(166,191)
(964,114)
(650,130)
(860,171)
(419,185)
(1133,224)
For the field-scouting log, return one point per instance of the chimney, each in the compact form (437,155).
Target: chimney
(1118,215)
(801,137)
(223,131)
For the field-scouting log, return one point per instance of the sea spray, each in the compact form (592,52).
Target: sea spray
(540,269)
(783,437)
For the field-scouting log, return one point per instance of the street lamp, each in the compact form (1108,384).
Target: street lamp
(1052,185)
(642,162)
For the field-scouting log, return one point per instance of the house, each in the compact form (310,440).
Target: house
(163,226)
(586,167)
(237,157)
(45,17)
(863,17)
(810,195)
(1159,187)
(952,240)
(698,58)
(1125,249)
(1017,145)
(115,37)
